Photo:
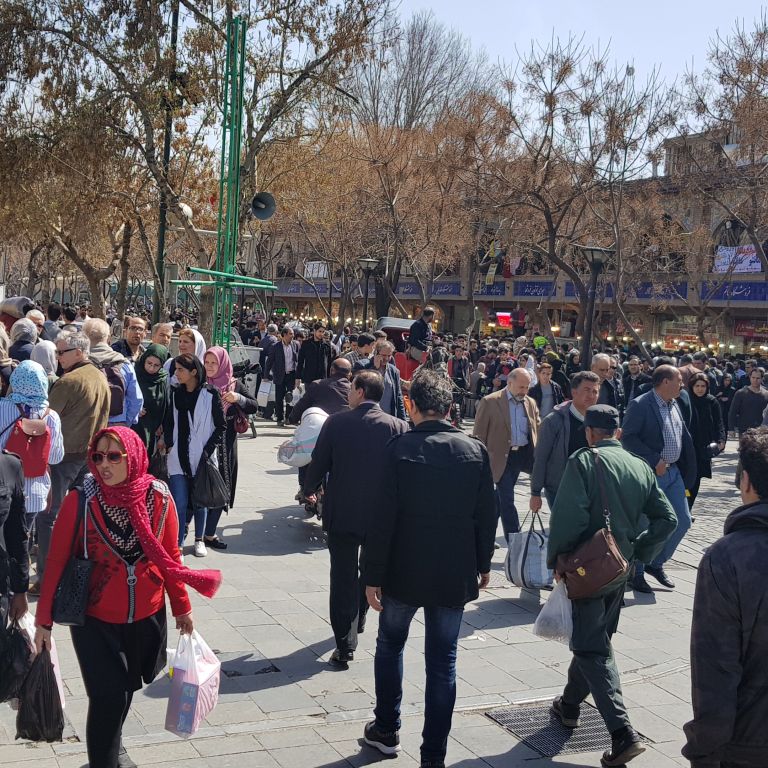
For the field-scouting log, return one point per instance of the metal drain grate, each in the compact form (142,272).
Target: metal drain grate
(539,729)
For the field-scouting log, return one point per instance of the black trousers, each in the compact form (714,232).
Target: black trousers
(281,390)
(114,660)
(593,668)
(348,605)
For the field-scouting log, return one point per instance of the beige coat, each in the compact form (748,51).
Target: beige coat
(494,430)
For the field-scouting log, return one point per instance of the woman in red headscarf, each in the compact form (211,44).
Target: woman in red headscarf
(131,534)
(236,402)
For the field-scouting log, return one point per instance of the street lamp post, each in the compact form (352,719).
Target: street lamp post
(368,265)
(597,259)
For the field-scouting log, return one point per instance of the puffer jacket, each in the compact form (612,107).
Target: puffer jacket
(729,646)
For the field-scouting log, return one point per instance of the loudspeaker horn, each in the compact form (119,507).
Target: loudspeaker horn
(263,206)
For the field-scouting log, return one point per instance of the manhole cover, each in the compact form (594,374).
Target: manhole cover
(539,729)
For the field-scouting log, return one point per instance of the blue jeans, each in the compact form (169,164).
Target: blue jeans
(671,484)
(442,633)
(179,486)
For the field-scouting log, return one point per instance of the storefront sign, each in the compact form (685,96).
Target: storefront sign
(408,289)
(497,289)
(651,291)
(735,291)
(750,328)
(504,319)
(534,288)
(452,288)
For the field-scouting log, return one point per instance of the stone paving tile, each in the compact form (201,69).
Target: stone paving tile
(274,602)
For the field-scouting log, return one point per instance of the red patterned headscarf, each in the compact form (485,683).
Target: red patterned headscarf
(131,495)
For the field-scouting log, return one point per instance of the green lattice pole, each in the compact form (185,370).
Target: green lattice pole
(229,180)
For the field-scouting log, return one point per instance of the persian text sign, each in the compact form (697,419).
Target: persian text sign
(534,288)
(739,258)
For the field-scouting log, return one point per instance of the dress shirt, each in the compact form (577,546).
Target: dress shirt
(519,421)
(672,421)
(290,363)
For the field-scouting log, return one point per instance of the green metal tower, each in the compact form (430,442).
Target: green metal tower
(225,280)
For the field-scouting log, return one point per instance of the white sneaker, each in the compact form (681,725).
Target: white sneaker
(200,550)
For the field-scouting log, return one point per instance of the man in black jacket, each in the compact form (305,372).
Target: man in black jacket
(729,633)
(14,559)
(350,450)
(315,356)
(420,335)
(331,394)
(429,544)
(280,367)
(634,379)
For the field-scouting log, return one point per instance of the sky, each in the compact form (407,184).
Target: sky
(672,34)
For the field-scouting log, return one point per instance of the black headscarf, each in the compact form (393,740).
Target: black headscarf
(154,388)
(185,403)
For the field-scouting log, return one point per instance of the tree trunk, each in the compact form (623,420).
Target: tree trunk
(122,285)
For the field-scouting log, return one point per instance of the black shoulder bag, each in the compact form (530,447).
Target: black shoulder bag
(71,598)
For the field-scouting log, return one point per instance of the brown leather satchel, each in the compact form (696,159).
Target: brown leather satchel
(598,561)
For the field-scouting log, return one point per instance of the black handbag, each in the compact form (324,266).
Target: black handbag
(158,466)
(208,488)
(71,598)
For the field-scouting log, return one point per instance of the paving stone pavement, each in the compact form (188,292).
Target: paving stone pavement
(281,705)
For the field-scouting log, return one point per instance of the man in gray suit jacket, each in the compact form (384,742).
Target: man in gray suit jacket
(654,429)
(350,450)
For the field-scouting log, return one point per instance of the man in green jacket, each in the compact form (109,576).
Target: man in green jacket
(641,521)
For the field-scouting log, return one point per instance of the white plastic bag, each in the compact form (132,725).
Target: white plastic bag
(297,452)
(526,562)
(297,394)
(194,685)
(555,620)
(266,394)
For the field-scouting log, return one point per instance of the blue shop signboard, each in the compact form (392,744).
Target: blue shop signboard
(410,288)
(449,288)
(534,288)
(651,291)
(602,291)
(738,290)
(499,288)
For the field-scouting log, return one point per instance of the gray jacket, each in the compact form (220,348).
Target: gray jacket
(551,454)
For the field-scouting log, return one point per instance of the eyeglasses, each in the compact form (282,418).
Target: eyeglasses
(60,352)
(137,329)
(113,457)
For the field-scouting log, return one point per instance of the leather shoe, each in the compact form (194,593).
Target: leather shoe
(660,575)
(557,709)
(123,760)
(639,584)
(341,659)
(625,746)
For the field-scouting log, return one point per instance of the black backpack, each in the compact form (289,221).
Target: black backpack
(116,383)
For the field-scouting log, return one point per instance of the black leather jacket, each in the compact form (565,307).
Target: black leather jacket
(14,560)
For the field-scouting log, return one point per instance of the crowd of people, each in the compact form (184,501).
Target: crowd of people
(110,447)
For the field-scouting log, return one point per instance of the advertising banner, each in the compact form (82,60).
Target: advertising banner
(739,258)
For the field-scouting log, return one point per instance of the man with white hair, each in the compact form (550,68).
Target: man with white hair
(606,368)
(81,398)
(38,318)
(126,399)
(507,423)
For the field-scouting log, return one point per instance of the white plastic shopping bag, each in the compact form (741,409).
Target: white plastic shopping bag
(194,685)
(266,394)
(297,452)
(555,620)
(526,561)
